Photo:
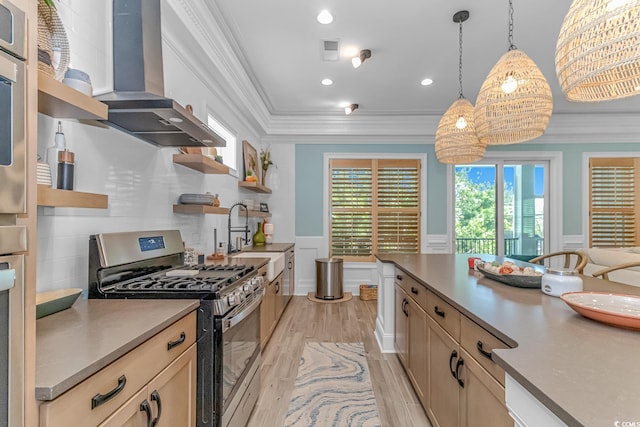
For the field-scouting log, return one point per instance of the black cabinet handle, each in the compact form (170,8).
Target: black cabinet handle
(144,406)
(438,311)
(483,352)
(277,287)
(155,397)
(399,277)
(459,365)
(176,343)
(414,291)
(404,305)
(454,354)
(99,399)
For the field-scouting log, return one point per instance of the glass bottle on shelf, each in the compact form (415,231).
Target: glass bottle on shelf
(259,238)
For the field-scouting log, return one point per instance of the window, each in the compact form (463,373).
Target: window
(228,153)
(614,186)
(503,219)
(374,207)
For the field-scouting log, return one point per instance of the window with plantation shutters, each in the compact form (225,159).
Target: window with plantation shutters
(614,195)
(375,208)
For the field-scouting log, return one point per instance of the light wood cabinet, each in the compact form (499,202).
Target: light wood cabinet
(443,386)
(169,399)
(448,359)
(166,364)
(482,399)
(418,350)
(411,340)
(401,325)
(271,308)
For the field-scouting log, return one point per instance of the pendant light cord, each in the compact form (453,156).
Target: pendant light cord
(460,62)
(511,45)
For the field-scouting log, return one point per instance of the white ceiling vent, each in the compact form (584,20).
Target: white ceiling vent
(330,49)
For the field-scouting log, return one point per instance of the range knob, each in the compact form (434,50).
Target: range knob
(248,287)
(232,300)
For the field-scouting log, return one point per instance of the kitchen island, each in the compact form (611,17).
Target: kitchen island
(583,371)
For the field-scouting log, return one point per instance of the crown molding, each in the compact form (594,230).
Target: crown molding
(216,58)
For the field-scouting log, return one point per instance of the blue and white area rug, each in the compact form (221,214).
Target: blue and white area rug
(333,388)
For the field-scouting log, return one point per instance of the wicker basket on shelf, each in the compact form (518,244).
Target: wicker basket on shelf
(368,292)
(51,34)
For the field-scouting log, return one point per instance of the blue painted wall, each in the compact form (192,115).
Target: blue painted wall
(310,187)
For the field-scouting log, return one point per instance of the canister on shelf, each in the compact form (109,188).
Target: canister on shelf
(65,169)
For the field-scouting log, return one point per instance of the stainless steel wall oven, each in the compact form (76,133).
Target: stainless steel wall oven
(13,237)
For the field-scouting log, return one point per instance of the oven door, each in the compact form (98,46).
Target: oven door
(12,135)
(241,351)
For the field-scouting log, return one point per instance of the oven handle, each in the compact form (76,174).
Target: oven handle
(7,279)
(230,323)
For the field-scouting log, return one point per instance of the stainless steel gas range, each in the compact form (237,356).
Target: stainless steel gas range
(150,265)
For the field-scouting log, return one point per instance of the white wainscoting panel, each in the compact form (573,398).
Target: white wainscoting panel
(438,244)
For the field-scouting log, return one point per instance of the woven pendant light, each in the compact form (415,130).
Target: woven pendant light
(456,138)
(598,50)
(515,102)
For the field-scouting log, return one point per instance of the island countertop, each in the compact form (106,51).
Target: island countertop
(74,344)
(583,371)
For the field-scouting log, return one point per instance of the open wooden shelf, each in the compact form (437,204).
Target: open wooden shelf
(200,209)
(254,186)
(201,163)
(256,214)
(48,196)
(55,99)
(207,209)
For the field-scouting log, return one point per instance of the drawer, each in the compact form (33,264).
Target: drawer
(135,369)
(480,345)
(445,314)
(412,288)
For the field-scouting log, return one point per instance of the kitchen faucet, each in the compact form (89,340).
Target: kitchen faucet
(244,229)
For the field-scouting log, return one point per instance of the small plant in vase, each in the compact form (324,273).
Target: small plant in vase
(251,177)
(265,162)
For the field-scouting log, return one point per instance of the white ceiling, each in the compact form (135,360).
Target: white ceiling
(279,44)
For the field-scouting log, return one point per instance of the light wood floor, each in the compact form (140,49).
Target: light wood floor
(351,321)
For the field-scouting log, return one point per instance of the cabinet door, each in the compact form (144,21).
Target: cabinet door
(401,325)
(136,412)
(418,349)
(443,387)
(278,298)
(482,399)
(267,313)
(172,394)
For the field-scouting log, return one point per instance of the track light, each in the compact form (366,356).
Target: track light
(356,61)
(350,109)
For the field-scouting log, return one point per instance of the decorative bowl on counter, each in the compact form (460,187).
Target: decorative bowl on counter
(518,281)
(54,301)
(618,310)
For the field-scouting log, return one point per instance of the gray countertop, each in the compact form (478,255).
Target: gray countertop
(271,247)
(586,372)
(74,344)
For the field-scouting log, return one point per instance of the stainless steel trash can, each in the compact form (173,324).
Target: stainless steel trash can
(329,278)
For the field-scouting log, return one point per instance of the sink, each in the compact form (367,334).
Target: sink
(274,266)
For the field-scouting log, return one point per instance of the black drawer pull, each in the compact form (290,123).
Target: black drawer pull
(458,366)
(99,399)
(176,343)
(454,354)
(483,352)
(414,291)
(144,406)
(438,311)
(404,305)
(155,396)
(399,277)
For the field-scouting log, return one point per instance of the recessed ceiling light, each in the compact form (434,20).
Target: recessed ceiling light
(426,82)
(324,17)
(326,82)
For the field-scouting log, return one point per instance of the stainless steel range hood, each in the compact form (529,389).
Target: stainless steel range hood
(138,105)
